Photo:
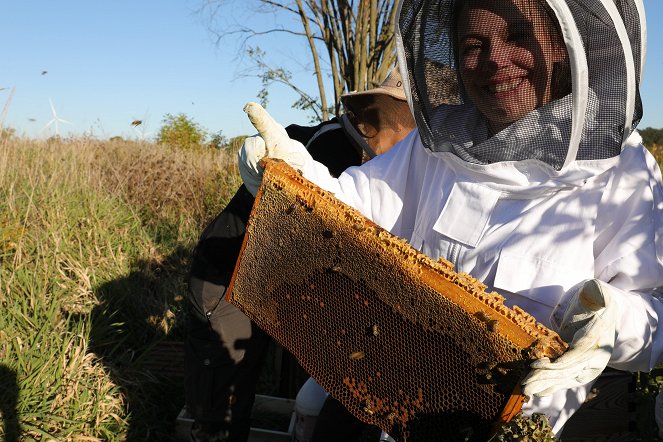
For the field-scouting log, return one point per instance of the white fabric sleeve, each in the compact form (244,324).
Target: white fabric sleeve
(379,187)
(351,186)
(639,339)
(629,256)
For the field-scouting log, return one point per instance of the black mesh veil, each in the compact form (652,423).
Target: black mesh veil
(510,80)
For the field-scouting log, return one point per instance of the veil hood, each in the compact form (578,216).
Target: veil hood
(605,43)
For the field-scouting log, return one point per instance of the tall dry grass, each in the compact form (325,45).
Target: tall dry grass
(94,246)
(657,151)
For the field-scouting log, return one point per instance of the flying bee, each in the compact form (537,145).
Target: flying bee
(135,123)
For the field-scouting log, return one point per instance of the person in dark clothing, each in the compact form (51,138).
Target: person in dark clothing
(224,350)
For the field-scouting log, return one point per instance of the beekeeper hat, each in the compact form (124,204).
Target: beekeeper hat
(391,86)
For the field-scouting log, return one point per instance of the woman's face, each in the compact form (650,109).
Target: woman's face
(507,50)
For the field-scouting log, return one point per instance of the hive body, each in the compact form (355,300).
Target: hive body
(402,341)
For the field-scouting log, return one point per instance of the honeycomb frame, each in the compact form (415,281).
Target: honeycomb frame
(401,340)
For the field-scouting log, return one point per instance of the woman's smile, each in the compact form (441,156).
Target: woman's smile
(504,88)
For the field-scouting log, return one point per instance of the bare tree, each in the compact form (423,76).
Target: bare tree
(352,41)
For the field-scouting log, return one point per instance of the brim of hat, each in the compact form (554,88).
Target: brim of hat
(396,93)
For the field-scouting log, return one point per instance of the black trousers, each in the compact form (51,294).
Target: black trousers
(225,353)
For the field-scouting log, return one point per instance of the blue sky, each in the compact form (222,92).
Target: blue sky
(108,63)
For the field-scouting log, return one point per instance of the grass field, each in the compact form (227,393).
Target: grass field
(95,239)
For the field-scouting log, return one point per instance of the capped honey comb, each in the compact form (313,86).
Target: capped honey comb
(401,340)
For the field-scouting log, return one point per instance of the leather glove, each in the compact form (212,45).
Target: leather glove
(273,142)
(589,325)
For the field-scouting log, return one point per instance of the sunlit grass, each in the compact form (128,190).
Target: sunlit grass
(94,246)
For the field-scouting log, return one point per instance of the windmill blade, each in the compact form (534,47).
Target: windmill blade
(64,121)
(52,108)
(47,125)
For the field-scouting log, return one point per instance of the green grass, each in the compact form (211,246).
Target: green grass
(95,240)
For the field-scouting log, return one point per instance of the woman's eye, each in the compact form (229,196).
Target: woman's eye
(520,36)
(469,47)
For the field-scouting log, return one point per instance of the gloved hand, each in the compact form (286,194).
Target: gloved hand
(589,326)
(273,142)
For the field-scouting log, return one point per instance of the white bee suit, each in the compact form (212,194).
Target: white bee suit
(529,236)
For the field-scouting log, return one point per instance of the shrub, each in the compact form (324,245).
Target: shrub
(234,144)
(218,141)
(181,131)
(651,136)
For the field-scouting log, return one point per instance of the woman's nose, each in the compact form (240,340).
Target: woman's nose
(496,57)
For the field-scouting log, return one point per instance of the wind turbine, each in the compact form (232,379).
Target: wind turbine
(56,120)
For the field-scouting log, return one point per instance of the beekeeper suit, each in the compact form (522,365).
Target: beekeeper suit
(535,183)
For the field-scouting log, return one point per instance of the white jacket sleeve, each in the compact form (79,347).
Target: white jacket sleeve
(638,345)
(629,256)
(378,187)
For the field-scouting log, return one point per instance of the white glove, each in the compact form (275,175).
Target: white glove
(273,142)
(589,325)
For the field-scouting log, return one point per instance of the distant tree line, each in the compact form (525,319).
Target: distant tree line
(652,137)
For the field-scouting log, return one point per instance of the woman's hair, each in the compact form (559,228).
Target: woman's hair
(561,70)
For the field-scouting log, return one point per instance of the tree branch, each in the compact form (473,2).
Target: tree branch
(316,60)
(358,36)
